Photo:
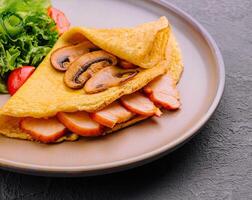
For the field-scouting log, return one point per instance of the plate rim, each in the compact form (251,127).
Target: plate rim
(149,156)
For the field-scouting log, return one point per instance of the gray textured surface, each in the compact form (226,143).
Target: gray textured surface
(216,164)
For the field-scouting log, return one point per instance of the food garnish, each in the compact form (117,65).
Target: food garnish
(60,19)
(27,35)
(18,77)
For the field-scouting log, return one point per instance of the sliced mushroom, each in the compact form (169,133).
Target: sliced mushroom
(82,68)
(62,57)
(108,77)
(126,65)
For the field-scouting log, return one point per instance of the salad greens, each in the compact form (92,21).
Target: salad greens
(27,34)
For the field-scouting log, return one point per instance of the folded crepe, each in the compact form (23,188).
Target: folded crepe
(151,46)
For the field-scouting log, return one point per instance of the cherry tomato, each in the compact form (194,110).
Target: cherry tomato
(59,18)
(18,77)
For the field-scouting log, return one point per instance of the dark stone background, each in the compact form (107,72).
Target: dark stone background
(216,164)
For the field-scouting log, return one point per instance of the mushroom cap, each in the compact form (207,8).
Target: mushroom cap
(108,77)
(82,68)
(62,57)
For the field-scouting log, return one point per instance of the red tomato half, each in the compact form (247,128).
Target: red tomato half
(60,19)
(18,77)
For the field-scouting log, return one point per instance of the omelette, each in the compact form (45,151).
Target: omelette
(97,81)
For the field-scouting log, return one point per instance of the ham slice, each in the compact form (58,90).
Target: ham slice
(43,130)
(139,104)
(80,123)
(111,115)
(162,91)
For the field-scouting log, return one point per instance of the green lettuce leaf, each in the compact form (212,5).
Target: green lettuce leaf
(3,88)
(27,34)
(24,7)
